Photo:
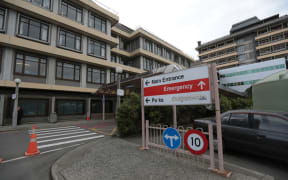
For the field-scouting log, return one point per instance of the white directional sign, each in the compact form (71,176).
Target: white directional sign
(185,87)
(120,92)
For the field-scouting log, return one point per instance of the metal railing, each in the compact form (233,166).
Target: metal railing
(154,139)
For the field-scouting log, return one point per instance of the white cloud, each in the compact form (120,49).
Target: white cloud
(184,22)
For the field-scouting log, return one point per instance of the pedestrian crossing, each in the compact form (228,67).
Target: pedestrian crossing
(50,138)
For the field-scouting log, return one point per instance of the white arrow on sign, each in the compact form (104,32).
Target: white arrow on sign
(201,83)
(171,138)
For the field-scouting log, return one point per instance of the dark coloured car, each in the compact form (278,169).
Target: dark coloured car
(256,132)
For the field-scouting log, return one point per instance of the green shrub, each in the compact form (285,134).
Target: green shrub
(128,115)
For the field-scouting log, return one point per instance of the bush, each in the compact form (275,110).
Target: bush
(128,115)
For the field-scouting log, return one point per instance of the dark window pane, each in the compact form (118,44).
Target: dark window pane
(68,71)
(70,107)
(42,69)
(34,30)
(2,18)
(71,12)
(34,107)
(64,9)
(19,66)
(77,74)
(96,106)
(46,4)
(70,40)
(24,27)
(44,32)
(272,123)
(31,65)
(240,120)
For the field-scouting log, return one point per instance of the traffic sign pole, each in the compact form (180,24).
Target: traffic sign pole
(218,120)
(174,117)
(142,115)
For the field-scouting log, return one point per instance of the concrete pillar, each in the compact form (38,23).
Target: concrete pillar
(12,19)
(88,107)
(85,45)
(55,6)
(141,42)
(53,38)
(53,116)
(108,76)
(2,100)
(7,64)
(108,28)
(85,17)
(83,77)
(141,62)
(51,71)
(108,52)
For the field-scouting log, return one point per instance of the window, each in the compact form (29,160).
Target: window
(113,58)
(96,48)
(147,64)
(0,58)
(68,71)
(238,119)
(34,107)
(30,65)
(271,123)
(33,29)
(96,106)
(279,47)
(70,11)
(97,22)
(96,75)
(70,107)
(114,76)
(225,118)
(70,40)
(2,19)
(42,3)
(108,106)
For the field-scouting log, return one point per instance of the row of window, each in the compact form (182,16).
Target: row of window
(252,71)
(39,107)
(150,64)
(214,46)
(272,49)
(34,65)
(240,83)
(38,30)
(217,54)
(75,13)
(225,60)
(274,38)
(271,28)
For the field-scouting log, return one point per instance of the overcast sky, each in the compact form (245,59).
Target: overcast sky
(184,22)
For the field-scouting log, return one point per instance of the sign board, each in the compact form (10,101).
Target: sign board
(13,96)
(195,141)
(187,87)
(171,138)
(120,92)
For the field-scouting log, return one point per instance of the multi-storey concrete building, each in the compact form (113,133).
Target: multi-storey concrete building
(249,41)
(64,51)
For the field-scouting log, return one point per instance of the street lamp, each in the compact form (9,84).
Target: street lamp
(119,70)
(15,113)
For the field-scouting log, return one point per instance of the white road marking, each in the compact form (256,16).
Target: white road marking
(23,157)
(57,132)
(71,141)
(43,137)
(55,128)
(68,137)
(43,131)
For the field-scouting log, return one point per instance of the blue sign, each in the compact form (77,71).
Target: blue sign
(171,138)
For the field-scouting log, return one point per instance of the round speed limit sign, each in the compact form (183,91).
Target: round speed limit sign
(195,141)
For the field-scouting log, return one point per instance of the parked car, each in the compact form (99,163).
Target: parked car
(261,133)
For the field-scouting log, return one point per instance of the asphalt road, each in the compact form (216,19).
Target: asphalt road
(55,142)
(277,169)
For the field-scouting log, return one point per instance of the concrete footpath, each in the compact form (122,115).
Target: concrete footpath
(116,158)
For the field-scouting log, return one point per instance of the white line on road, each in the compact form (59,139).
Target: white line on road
(71,141)
(68,137)
(58,129)
(43,137)
(57,132)
(58,149)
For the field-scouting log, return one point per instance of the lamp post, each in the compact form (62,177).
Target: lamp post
(119,70)
(15,113)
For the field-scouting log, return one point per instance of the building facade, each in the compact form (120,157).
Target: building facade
(249,41)
(242,77)
(64,51)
